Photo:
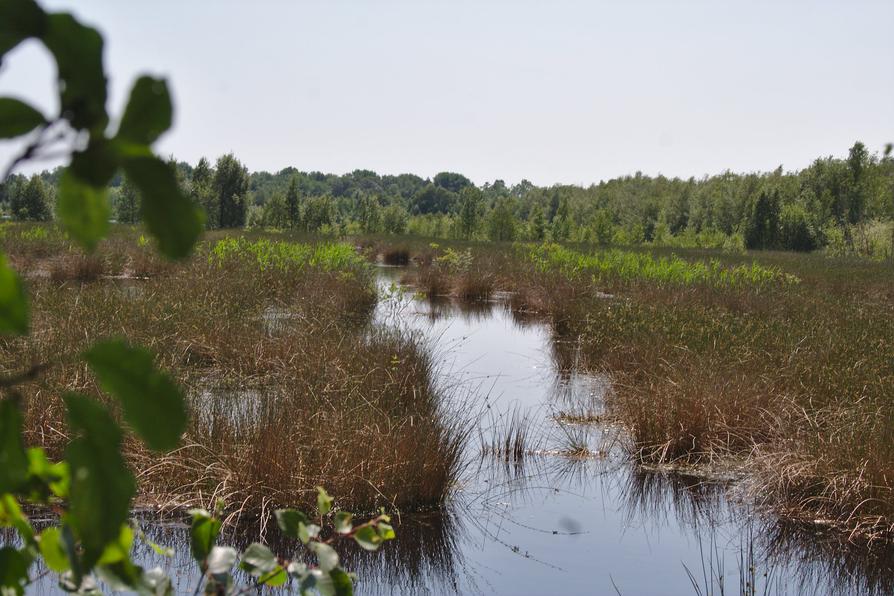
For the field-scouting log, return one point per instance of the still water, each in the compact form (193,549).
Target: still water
(587,525)
(550,523)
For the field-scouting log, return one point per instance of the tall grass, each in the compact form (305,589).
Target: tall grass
(285,256)
(645,267)
(793,379)
(319,399)
(777,365)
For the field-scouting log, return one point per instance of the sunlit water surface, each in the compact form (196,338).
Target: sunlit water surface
(549,523)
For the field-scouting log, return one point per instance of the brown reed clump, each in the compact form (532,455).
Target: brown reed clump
(287,385)
(794,380)
(76,267)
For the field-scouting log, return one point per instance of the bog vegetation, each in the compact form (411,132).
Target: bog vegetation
(82,409)
(775,363)
(231,375)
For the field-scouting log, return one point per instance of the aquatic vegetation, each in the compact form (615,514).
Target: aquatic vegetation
(34,233)
(283,255)
(630,266)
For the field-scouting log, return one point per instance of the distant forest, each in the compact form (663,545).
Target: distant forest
(840,204)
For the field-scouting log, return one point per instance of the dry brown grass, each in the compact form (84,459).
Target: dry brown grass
(288,386)
(795,381)
(77,267)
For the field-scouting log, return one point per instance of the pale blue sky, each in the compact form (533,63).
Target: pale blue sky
(552,91)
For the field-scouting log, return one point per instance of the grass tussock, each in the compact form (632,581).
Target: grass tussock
(778,364)
(398,256)
(794,379)
(287,385)
(511,439)
(77,267)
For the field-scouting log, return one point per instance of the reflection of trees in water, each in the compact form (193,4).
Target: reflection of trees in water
(442,307)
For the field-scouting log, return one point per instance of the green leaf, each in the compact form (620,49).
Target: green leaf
(326,555)
(121,575)
(221,559)
(97,163)
(168,214)
(297,569)
(153,404)
(53,550)
(333,583)
(202,534)
(13,459)
(19,20)
(289,521)
(46,478)
(148,113)
(275,577)
(17,118)
(13,570)
(119,549)
(307,531)
(83,210)
(258,557)
(13,302)
(101,483)
(324,501)
(342,583)
(368,538)
(343,522)
(309,582)
(82,80)
(156,583)
(386,532)
(260,562)
(11,515)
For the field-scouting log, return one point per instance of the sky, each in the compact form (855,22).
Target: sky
(554,91)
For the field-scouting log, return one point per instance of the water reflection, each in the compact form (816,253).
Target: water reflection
(542,522)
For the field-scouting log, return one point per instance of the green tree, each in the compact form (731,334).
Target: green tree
(433,199)
(795,232)
(561,222)
(231,187)
(275,212)
(857,165)
(32,201)
(201,191)
(293,203)
(394,219)
(470,200)
(762,230)
(501,222)
(369,214)
(127,206)
(537,223)
(318,212)
(451,181)
(602,226)
(554,201)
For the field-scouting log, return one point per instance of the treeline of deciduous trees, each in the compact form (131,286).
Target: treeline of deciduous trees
(844,204)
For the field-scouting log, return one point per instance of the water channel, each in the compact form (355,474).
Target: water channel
(553,523)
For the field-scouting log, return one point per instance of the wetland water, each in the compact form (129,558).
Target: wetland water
(548,523)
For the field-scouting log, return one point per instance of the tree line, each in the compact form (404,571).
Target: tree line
(844,204)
